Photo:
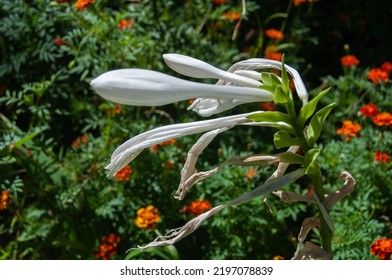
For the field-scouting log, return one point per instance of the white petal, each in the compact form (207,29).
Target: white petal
(196,68)
(124,154)
(141,87)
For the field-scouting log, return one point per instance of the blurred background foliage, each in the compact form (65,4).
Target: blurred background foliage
(57,134)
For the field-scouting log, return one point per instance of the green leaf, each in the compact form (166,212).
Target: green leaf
(269,187)
(291,158)
(308,110)
(282,139)
(314,129)
(310,160)
(270,79)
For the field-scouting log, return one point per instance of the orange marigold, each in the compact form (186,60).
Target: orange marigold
(274,56)
(168,142)
(382,157)
(108,246)
(349,60)
(124,174)
(383,119)
(278,258)
(58,41)
(82,4)
(147,217)
(274,34)
(376,75)
(368,110)
(349,129)
(387,66)
(80,141)
(268,106)
(250,174)
(125,24)
(198,207)
(382,248)
(231,16)
(5,199)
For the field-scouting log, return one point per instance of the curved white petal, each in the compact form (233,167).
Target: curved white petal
(141,87)
(197,68)
(124,154)
(262,63)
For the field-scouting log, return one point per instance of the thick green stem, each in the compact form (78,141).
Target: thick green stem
(325,232)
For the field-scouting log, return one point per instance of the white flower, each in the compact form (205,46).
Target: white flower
(141,87)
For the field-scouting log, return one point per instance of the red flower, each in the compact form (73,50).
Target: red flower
(274,34)
(58,41)
(250,174)
(387,66)
(382,119)
(80,141)
(368,110)
(108,246)
(123,174)
(198,207)
(382,157)
(382,248)
(268,106)
(349,60)
(125,24)
(271,53)
(376,75)
(349,129)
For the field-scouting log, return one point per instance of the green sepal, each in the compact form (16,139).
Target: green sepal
(282,139)
(270,116)
(314,129)
(308,110)
(280,96)
(285,79)
(310,160)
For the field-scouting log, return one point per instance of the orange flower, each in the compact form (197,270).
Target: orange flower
(169,164)
(270,53)
(115,110)
(298,2)
(126,24)
(250,174)
(5,199)
(274,56)
(380,156)
(198,207)
(382,119)
(108,246)
(349,60)
(58,41)
(82,4)
(147,217)
(278,258)
(387,66)
(368,110)
(274,34)
(231,16)
(382,248)
(349,129)
(268,106)
(168,142)
(80,141)
(376,75)
(123,174)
